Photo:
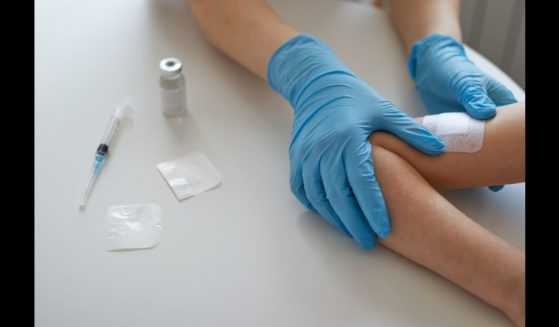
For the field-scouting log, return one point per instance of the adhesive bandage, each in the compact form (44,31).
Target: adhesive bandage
(459,131)
(190,175)
(134,226)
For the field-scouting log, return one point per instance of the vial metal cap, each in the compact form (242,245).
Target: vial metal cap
(170,66)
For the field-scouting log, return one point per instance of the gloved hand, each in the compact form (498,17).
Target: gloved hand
(448,81)
(335,112)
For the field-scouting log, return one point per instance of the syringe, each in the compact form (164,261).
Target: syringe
(102,153)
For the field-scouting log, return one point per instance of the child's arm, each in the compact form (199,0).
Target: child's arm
(500,160)
(429,230)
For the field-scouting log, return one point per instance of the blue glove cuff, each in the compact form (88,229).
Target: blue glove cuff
(432,42)
(299,61)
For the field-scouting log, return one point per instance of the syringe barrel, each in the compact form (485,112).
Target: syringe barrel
(114,122)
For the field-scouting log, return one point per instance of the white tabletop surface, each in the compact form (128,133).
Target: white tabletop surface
(246,253)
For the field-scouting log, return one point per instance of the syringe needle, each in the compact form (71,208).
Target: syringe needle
(91,180)
(87,191)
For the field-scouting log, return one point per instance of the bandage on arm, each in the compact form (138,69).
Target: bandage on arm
(499,161)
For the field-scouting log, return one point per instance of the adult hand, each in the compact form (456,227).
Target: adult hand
(334,113)
(448,81)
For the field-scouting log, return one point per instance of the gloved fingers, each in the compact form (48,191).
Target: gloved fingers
(297,185)
(473,97)
(344,203)
(496,188)
(317,195)
(361,176)
(499,93)
(412,132)
(436,104)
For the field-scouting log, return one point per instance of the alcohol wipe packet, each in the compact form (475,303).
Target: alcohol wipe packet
(190,175)
(134,226)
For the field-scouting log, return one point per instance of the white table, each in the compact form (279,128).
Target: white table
(246,253)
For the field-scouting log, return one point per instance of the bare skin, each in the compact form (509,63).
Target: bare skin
(249,31)
(416,19)
(429,230)
(500,160)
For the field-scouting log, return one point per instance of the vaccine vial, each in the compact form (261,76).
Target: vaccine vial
(172,87)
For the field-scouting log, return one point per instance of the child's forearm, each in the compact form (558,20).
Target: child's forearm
(429,230)
(500,160)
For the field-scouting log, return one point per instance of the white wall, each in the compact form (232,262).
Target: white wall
(496,29)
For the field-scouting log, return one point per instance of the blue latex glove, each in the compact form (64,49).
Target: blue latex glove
(335,112)
(448,81)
